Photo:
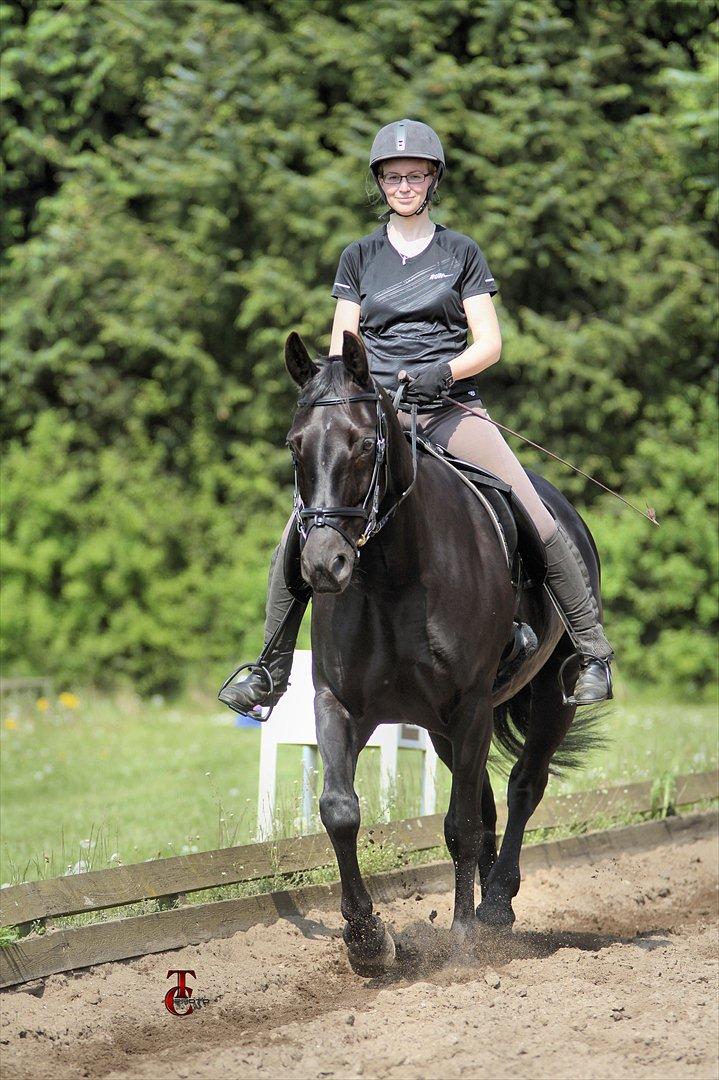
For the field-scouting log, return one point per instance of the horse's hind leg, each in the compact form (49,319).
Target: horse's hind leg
(549,722)
(370,947)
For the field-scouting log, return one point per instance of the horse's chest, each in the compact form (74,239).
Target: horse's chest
(402,632)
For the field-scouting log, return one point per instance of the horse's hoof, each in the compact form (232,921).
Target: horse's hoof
(372,956)
(497,916)
(465,940)
(463,934)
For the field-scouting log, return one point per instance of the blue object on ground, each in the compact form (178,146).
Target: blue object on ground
(247,721)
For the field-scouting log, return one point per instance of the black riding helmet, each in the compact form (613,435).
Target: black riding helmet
(408,139)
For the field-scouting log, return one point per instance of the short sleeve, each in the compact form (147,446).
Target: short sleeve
(477,278)
(347,283)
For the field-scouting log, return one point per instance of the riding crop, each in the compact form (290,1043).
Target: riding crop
(649,514)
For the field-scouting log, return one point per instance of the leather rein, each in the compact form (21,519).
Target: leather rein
(308,518)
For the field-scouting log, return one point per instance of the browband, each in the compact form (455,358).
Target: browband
(341,401)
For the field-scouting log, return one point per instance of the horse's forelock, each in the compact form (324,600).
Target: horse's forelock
(332,380)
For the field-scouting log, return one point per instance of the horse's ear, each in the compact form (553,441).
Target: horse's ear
(354,357)
(297,360)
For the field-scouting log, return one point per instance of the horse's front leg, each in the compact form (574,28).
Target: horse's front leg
(370,946)
(488,849)
(463,824)
(488,846)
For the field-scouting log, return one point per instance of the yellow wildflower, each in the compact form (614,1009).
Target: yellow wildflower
(10,724)
(70,701)
(42,704)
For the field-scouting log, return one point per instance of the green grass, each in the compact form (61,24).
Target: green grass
(120,780)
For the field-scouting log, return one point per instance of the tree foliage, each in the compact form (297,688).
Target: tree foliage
(180,178)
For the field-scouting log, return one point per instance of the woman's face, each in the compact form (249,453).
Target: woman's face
(405,198)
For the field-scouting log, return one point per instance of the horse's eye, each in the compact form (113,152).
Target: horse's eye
(367,445)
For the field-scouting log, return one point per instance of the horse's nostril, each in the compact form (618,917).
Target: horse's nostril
(339,564)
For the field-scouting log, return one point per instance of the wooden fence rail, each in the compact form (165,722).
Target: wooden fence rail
(32,683)
(63,949)
(98,889)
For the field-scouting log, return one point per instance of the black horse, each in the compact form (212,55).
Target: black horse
(414,633)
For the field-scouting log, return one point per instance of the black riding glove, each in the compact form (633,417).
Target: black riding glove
(429,384)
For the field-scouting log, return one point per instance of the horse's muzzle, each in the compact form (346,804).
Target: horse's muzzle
(327,562)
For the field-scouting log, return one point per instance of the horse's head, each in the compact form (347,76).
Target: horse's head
(337,444)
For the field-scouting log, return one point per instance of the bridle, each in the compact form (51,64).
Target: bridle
(308,518)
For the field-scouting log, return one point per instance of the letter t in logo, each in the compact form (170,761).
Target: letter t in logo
(181,991)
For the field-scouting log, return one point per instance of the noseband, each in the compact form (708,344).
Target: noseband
(308,518)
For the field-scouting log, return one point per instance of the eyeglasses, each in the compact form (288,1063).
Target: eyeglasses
(414,179)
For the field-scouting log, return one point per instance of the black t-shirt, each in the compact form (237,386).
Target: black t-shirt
(411,312)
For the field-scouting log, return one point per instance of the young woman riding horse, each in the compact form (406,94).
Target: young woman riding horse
(413,289)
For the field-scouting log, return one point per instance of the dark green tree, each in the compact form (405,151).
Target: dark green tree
(180,180)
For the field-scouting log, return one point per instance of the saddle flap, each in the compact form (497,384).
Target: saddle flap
(530,545)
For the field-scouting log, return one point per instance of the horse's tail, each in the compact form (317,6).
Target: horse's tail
(511,723)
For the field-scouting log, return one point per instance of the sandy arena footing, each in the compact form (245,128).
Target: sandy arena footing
(610,972)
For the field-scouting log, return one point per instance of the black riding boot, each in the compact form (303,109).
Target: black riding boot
(568,579)
(251,694)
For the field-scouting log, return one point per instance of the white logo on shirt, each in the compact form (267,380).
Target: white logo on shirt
(434,277)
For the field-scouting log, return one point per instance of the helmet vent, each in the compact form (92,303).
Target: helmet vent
(401,137)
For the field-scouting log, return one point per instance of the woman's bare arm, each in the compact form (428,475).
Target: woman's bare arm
(486,338)
(347,317)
